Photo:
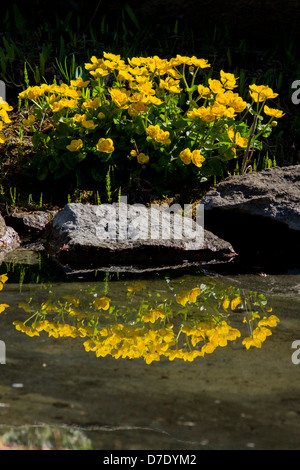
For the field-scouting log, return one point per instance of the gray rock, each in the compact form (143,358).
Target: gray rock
(2,226)
(9,241)
(30,221)
(83,236)
(259,213)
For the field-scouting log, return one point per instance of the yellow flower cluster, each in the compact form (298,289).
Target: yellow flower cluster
(188,156)
(225,103)
(212,334)
(260,333)
(156,103)
(3,279)
(4,118)
(188,296)
(148,332)
(54,329)
(157,134)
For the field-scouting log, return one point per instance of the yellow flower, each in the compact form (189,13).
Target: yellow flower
(63,103)
(29,121)
(156,133)
(204,91)
(273,112)
(250,341)
(186,156)
(228,80)
(142,158)
(101,115)
(153,315)
(25,306)
(226,303)
(80,83)
(170,85)
(72,300)
(202,63)
(120,97)
(136,286)
(193,294)
(269,321)
(182,298)
(92,104)
(3,279)
(241,141)
(89,124)
(237,138)
(137,108)
(31,93)
(215,86)
(235,302)
(2,138)
(4,116)
(261,92)
(102,303)
(105,145)
(3,307)
(75,145)
(208,348)
(197,158)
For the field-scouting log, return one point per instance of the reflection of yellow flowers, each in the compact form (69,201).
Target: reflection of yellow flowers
(72,300)
(3,279)
(258,336)
(272,320)
(193,294)
(182,298)
(153,315)
(235,302)
(102,303)
(188,296)
(3,307)
(147,329)
(25,306)
(136,286)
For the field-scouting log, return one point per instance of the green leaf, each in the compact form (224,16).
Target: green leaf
(70,160)
(42,173)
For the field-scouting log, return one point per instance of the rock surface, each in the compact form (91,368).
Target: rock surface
(259,213)
(83,236)
(25,222)
(9,238)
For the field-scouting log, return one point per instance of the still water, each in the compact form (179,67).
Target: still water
(169,360)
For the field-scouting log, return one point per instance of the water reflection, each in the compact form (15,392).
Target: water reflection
(151,321)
